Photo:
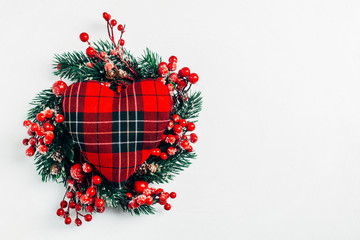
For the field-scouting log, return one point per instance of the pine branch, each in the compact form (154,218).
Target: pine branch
(148,64)
(192,107)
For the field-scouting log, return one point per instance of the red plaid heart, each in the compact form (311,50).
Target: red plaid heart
(116,132)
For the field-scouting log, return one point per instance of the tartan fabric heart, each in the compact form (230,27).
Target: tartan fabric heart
(117,131)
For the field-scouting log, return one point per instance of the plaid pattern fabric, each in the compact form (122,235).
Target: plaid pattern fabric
(116,132)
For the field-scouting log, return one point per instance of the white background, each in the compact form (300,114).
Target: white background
(279,148)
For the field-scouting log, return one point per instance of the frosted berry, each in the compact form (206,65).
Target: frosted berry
(48,113)
(88,217)
(40,117)
(163,65)
(172,66)
(193,78)
(140,186)
(190,126)
(162,80)
(27,123)
(84,37)
(173,77)
(185,144)
(171,151)
(170,139)
(49,135)
(78,195)
(193,138)
(190,149)
(30,151)
(59,88)
(149,200)
(34,127)
(86,168)
(96,180)
(85,199)
(141,199)
(40,132)
(170,124)
(32,141)
(69,195)
(163,71)
(43,149)
(76,172)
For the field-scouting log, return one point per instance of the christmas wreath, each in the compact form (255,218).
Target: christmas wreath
(123,124)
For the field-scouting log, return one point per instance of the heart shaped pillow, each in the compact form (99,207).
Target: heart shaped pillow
(117,131)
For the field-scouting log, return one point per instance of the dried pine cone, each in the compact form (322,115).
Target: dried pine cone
(110,74)
(57,156)
(55,169)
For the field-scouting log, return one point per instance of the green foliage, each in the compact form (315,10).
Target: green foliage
(148,64)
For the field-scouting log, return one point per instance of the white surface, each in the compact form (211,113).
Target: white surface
(279,144)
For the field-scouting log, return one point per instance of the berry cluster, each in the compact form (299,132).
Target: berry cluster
(148,196)
(173,80)
(41,131)
(82,197)
(176,138)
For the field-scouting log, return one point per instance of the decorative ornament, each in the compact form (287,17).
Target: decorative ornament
(122,125)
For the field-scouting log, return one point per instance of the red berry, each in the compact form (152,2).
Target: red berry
(99,203)
(140,186)
(84,37)
(184,72)
(59,118)
(177,129)
(86,168)
(182,84)
(25,141)
(30,133)
(162,202)
(190,126)
(134,204)
(113,22)
(30,151)
(41,141)
(78,222)
(78,207)
(183,122)
(147,192)
(59,88)
(170,139)
(58,66)
(158,191)
(91,191)
(193,78)
(190,149)
(63,204)
(176,118)
(149,200)
(185,144)
(100,209)
(106,16)
(193,138)
(173,194)
(162,80)
(60,212)
(122,42)
(173,77)
(120,27)
(88,217)
(85,199)
(72,204)
(32,141)
(129,195)
(171,151)
(163,65)
(34,127)
(172,66)
(76,172)
(67,220)
(47,141)
(141,199)
(27,123)
(170,87)
(49,135)
(96,180)
(90,208)
(173,59)
(40,132)
(40,117)
(167,195)
(43,149)
(167,207)
(162,197)
(170,124)
(78,195)
(156,152)
(48,127)
(90,52)
(163,156)
(163,71)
